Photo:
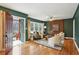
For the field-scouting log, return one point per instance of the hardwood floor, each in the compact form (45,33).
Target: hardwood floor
(32,48)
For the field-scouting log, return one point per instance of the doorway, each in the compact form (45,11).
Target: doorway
(18,30)
(22,29)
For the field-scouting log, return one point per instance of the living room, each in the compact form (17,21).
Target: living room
(46,29)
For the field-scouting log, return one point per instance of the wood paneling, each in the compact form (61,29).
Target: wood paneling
(59,23)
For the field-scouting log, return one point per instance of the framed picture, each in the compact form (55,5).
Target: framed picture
(55,27)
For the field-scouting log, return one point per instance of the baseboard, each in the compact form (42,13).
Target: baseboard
(68,37)
(73,41)
(76,45)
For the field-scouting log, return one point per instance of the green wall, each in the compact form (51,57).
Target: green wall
(76,18)
(16,13)
(68,27)
(36,20)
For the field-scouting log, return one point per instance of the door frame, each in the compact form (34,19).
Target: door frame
(24,27)
(17,17)
(74,29)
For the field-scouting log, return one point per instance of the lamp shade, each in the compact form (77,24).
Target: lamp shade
(44,26)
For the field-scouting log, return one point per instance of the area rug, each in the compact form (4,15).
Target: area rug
(45,43)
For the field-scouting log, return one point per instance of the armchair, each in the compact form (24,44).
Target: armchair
(36,35)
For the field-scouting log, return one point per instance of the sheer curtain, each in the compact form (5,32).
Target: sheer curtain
(37,27)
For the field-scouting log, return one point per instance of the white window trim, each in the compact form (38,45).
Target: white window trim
(16,17)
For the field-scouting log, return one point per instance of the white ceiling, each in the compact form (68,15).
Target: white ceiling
(43,11)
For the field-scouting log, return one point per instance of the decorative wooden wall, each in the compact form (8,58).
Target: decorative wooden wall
(56,26)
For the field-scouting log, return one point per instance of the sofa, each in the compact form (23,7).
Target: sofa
(57,39)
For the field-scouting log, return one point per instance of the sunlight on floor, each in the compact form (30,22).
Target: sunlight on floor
(17,42)
(16,50)
(17,47)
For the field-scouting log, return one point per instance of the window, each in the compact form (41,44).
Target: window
(32,26)
(36,27)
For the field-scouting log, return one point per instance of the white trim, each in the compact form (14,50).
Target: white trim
(74,28)
(68,37)
(16,17)
(76,45)
(74,35)
(74,42)
(24,28)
